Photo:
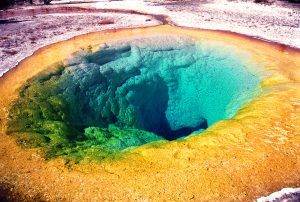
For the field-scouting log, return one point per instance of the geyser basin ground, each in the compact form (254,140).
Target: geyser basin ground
(239,158)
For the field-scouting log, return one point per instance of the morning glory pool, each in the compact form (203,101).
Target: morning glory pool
(129,93)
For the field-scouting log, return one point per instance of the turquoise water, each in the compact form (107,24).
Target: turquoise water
(134,92)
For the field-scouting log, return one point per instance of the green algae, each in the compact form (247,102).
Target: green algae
(128,94)
(40,118)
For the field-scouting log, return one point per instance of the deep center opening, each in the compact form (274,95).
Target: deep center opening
(144,105)
(172,90)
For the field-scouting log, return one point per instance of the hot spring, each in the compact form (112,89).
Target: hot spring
(152,113)
(129,93)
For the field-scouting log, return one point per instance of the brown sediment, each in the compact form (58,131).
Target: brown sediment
(69,9)
(8,193)
(254,153)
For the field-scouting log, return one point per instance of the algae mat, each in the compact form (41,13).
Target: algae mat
(250,153)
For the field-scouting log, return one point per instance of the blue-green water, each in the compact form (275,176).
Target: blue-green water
(131,93)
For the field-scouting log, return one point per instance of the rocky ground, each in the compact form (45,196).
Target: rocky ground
(22,35)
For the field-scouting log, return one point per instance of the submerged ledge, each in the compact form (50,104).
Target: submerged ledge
(255,142)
